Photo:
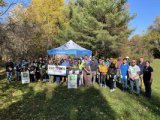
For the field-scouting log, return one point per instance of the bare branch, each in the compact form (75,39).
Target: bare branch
(13,3)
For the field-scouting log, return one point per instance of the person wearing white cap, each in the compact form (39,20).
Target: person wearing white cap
(127,57)
(128,60)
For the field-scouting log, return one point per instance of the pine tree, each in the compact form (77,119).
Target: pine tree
(101,26)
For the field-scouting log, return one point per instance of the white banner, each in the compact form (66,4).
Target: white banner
(72,81)
(57,70)
(25,77)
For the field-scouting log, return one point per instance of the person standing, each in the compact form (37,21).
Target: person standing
(66,64)
(57,78)
(18,68)
(86,57)
(98,73)
(124,74)
(94,68)
(148,78)
(32,71)
(40,67)
(9,70)
(37,73)
(134,72)
(128,60)
(51,61)
(141,66)
(112,76)
(107,62)
(103,69)
(87,73)
(119,62)
(80,65)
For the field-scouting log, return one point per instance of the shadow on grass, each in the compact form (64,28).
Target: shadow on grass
(151,107)
(61,104)
(152,104)
(2,75)
(14,85)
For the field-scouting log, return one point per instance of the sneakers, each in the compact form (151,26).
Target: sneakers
(137,95)
(114,89)
(111,90)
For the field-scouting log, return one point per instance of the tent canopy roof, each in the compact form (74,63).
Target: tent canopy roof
(70,48)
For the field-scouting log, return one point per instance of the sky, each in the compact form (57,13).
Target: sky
(146,11)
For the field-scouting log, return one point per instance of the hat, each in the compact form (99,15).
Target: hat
(127,57)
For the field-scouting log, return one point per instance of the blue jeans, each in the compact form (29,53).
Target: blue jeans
(115,84)
(132,82)
(9,76)
(58,79)
(124,82)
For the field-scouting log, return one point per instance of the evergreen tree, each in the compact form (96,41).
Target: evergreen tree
(99,25)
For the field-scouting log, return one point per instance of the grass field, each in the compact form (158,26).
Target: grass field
(49,101)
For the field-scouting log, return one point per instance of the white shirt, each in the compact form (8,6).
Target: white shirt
(134,71)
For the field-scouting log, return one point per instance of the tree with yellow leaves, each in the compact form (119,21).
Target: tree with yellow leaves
(49,14)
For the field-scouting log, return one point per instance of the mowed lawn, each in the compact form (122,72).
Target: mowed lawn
(50,101)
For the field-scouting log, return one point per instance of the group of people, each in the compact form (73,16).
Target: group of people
(89,70)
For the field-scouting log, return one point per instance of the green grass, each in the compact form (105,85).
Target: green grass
(51,101)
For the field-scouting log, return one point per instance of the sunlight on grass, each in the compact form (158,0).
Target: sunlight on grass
(50,100)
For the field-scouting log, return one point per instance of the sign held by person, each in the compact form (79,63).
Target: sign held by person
(72,81)
(25,77)
(57,70)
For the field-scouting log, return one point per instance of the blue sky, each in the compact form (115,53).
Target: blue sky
(146,11)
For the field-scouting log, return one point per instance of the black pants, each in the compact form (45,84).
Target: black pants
(32,78)
(38,76)
(111,83)
(147,85)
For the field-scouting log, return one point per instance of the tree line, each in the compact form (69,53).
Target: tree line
(101,26)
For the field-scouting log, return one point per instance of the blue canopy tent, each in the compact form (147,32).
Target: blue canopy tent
(70,48)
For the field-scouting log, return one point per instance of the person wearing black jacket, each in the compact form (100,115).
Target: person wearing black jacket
(147,78)
(37,73)
(32,71)
(112,76)
(18,68)
(9,70)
